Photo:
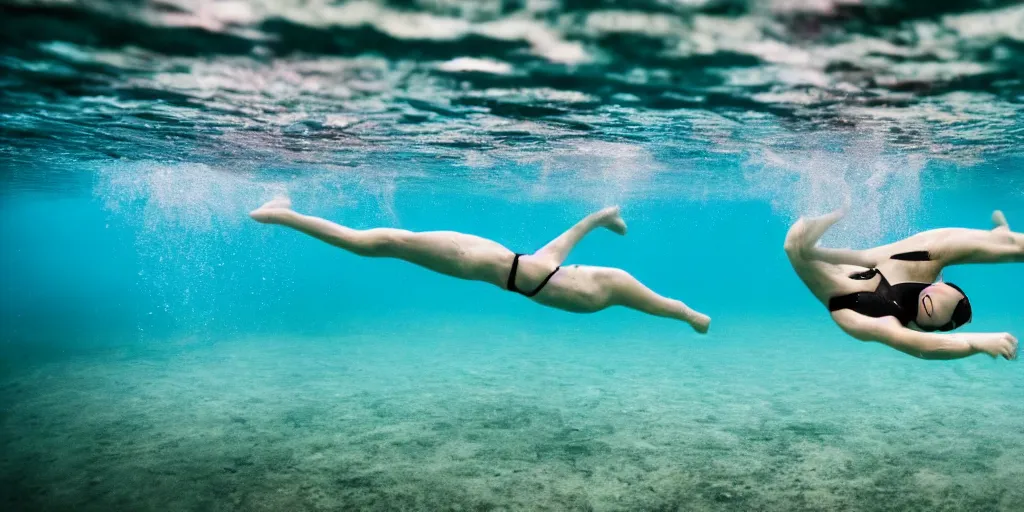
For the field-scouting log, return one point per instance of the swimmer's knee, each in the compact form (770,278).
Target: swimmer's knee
(791,248)
(378,242)
(793,244)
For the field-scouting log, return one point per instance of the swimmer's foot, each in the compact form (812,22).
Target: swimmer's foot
(999,221)
(829,219)
(272,210)
(611,219)
(815,227)
(701,323)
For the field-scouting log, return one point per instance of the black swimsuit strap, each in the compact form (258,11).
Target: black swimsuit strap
(851,300)
(840,302)
(866,275)
(912,256)
(511,285)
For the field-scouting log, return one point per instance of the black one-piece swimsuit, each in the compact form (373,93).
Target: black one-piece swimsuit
(900,300)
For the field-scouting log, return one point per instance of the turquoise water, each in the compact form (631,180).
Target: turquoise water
(162,351)
(159,350)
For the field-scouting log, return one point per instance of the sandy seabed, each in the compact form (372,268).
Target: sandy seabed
(467,419)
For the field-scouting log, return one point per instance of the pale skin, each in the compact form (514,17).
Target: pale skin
(826,273)
(575,288)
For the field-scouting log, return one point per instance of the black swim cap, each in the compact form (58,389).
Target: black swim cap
(962,314)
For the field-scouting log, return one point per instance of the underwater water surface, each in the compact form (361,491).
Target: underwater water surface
(159,350)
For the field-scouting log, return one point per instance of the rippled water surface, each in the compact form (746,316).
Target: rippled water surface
(339,83)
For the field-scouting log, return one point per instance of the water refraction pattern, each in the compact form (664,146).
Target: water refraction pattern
(330,82)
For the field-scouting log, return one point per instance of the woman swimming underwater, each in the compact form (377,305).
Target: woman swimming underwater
(539,276)
(889,294)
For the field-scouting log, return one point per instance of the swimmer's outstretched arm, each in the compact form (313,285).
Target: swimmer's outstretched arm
(925,345)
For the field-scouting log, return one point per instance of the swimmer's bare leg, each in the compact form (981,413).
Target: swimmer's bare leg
(999,222)
(454,254)
(1003,229)
(959,246)
(625,290)
(279,211)
(802,239)
(806,232)
(557,250)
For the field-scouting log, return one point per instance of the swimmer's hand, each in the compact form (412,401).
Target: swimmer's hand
(1002,344)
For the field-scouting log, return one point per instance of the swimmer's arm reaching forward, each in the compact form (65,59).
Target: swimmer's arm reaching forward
(925,345)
